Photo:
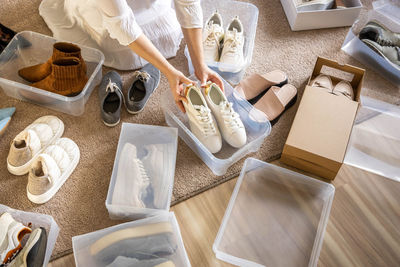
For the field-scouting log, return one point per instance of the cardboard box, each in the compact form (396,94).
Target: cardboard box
(322,126)
(331,18)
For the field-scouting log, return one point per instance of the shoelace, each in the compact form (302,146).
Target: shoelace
(205,120)
(233,41)
(213,36)
(112,87)
(143,76)
(231,118)
(142,170)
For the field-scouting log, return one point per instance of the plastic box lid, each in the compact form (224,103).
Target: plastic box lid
(30,48)
(156,147)
(140,240)
(256,123)
(37,220)
(275,217)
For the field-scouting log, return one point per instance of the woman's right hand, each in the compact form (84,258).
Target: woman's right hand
(176,79)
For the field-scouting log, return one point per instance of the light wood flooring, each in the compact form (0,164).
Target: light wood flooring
(363,228)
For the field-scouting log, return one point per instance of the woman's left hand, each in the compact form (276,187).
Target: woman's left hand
(205,74)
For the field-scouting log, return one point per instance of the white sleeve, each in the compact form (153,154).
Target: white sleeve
(189,13)
(119,20)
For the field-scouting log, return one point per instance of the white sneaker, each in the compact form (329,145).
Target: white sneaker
(29,143)
(202,123)
(213,33)
(229,121)
(232,52)
(11,234)
(132,179)
(51,169)
(313,5)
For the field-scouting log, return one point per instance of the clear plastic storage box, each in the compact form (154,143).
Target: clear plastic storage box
(30,48)
(143,175)
(276,217)
(248,15)
(256,123)
(387,14)
(37,220)
(153,240)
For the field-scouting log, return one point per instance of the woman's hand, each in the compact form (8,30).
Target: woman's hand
(176,80)
(205,74)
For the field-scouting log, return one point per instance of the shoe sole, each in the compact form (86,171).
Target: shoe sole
(288,106)
(111,124)
(43,198)
(144,105)
(24,169)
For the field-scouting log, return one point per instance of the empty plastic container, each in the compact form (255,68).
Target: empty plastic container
(37,220)
(256,123)
(155,238)
(375,139)
(30,48)
(248,15)
(275,217)
(143,175)
(387,14)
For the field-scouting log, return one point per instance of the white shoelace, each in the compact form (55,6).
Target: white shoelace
(232,42)
(213,36)
(143,76)
(231,118)
(205,119)
(112,87)
(143,173)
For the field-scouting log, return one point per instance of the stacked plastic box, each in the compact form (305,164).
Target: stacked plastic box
(155,147)
(256,123)
(30,48)
(37,220)
(248,15)
(152,241)
(387,14)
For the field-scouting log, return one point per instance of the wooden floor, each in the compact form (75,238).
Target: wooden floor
(363,228)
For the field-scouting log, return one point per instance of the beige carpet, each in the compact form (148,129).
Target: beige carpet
(79,206)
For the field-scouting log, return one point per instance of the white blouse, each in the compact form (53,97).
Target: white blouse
(111,25)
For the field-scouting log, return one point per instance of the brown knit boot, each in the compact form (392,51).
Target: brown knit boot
(40,71)
(67,77)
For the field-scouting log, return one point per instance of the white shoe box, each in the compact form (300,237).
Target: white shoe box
(121,192)
(37,220)
(308,20)
(388,14)
(256,123)
(84,245)
(248,15)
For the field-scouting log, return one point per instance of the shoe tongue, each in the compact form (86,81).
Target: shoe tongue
(200,108)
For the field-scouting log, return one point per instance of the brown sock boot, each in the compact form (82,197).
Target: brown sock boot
(67,77)
(40,71)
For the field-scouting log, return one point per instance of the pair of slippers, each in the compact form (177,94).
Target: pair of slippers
(5,118)
(269,93)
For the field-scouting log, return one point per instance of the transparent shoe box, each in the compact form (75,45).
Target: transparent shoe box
(387,14)
(143,174)
(132,243)
(256,123)
(30,48)
(275,217)
(37,220)
(248,15)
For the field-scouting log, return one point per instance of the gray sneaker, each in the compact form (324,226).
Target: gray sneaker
(111,98)
(390,53)
(145,83)
(378,33)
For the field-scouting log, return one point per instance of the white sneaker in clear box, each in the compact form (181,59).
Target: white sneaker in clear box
(229,122)
(202,124)
(213,33)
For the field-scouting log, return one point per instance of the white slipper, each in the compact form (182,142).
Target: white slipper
(29,143)
(51,169)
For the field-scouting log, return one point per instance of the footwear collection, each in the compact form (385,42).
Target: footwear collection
(111,96)
(342,88)
(13,252)
(63,73)
(224,46)
(49,159)
(383,41)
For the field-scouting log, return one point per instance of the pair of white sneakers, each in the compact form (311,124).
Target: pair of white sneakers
(203,124)
(232,39)
(49,159)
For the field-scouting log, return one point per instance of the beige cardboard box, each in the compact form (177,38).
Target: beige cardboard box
(331,18)
(322,126)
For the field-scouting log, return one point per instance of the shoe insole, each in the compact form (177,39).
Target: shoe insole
(285,93)
(111,103)
(215,96)
(195,98)
(138,91)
